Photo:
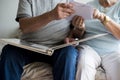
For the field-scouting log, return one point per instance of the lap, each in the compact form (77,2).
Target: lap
(24,55)
(90,60)
(30,56)
(89,56)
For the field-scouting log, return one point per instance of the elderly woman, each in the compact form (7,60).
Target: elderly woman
(103,51)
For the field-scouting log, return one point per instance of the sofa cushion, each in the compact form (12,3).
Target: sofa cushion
(43,71)
(37,71)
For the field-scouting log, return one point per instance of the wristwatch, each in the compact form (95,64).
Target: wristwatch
(106,20)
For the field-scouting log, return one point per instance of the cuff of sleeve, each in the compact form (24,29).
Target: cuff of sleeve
(21,16)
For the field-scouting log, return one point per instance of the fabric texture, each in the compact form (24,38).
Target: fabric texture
(37,71)
(111,64)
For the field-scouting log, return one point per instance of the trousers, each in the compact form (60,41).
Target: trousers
(14,58)
(89,60)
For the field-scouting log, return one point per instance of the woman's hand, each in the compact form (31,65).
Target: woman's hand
(62,10)
(98,15)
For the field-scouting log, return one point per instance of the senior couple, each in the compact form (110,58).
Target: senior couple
(44,22)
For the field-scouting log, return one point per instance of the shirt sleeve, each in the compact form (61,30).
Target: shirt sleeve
(24,9)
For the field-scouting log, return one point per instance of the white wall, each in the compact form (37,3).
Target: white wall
(8,25)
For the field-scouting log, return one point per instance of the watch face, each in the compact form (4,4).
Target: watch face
(106,19)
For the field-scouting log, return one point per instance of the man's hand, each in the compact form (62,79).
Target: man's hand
(62,10)
(68,40)
(78,22)
(79,27)
(78,31)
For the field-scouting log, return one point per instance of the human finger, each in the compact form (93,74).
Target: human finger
(67,8)
(74,20)
(78,21)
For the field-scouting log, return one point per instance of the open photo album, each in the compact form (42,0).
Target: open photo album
(44,49)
